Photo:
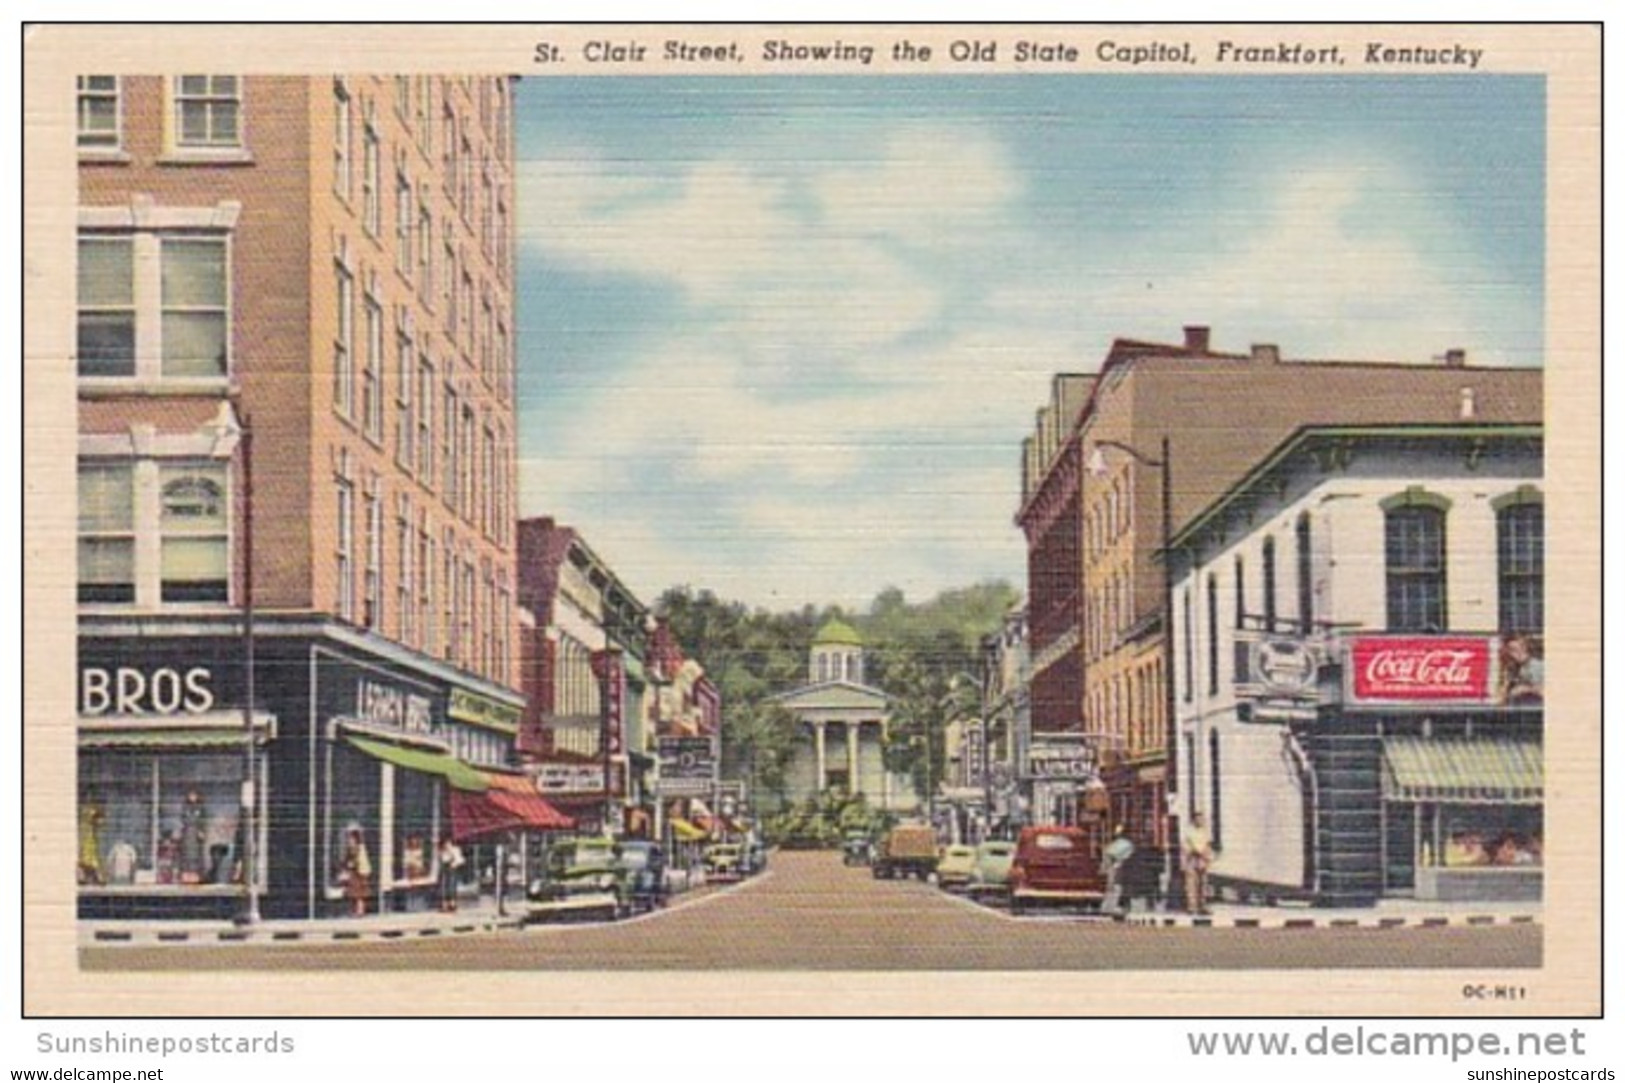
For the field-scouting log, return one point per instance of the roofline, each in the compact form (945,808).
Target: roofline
(1307,434)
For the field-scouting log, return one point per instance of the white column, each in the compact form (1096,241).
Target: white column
(852,785)
(819,780)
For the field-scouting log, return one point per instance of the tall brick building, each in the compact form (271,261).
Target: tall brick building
(1092,488)
(295,306)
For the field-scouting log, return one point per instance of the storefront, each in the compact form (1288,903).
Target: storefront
(352,747)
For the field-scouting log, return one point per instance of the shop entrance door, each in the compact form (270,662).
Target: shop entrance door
(1399,845)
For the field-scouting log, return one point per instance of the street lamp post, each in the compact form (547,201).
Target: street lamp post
(250,914)
(1164,466)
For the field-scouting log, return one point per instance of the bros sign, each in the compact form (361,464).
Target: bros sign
(129,690)
(1426,668)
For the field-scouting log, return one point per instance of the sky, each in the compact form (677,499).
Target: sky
(782,337)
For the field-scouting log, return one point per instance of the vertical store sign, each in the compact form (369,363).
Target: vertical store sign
(607,667)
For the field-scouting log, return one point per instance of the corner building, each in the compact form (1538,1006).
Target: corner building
(296,446)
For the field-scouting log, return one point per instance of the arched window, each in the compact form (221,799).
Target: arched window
(194,559)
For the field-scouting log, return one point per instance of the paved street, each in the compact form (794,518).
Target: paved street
(811,912)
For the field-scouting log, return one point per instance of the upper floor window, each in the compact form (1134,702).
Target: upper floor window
(194,558)
(153,305)
(370,197)
(98,108)
(1306,573)
(106,532)
(1269,584)
(341,140)
(175,512)
(208,111)
(1414,547)
(1520,531)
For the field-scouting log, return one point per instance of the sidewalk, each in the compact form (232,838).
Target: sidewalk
(471,917)
(1386,914)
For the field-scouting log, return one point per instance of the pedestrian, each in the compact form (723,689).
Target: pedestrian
(451,864)
(1115,858)
(1197,848)
(357,871)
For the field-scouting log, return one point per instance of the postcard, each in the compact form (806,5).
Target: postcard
(740,519)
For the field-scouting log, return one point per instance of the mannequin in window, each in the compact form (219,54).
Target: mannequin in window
(90,844)
(193,858)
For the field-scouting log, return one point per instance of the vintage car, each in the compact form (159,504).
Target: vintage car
(990,871)
(1057,865)
(955,866)
(642,866)
(580,875)
(907,850)
(724,861)
(856,848)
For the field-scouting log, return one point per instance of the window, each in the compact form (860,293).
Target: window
(1212,635)
(426,568)
(370,211)
(341,141)
(371,599)
(1241,594)
(107,315)
(1414,548)
(425,420)
(448,450)
(98,104)
(425,241)
(405,376)
(106,532)
(404,252)
(208,111)
(488,499)
(466,466)
(345,554)
(448,292)
(372,399)
(1306,575)
(1190,648)
(449,595)
(448,152)
(194,557)
(1215,809)
(1520,531)
(1269,584)
(504,364)
(123,333)
(405,579)
(343,335)
(182,509)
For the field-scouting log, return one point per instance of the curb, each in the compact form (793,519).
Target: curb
(1375,921)
(113,937)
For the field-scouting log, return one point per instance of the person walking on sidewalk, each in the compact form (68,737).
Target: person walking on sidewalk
(1116,856)
(451,866)
(1197,852)
(357,871)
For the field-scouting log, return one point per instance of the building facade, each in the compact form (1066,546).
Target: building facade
(842,727)
(590,692)
(1360,664)
(295,482)
(1122,457)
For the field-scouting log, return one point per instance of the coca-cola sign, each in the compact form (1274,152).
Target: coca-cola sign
(1420,668)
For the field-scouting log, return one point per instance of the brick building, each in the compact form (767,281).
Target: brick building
(295,340)
(1093,483)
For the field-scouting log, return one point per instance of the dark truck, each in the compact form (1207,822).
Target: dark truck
(907,850)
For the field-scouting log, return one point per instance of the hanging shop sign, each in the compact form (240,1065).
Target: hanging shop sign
(687,758)
(1060,762)
(608,667)
(1425,669)
(570,778)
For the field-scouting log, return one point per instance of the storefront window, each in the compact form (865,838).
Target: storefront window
(353,803)
(1482,836)
(417,826)
(165,818)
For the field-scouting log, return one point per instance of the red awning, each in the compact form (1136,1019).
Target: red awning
(511,804)
(519,796)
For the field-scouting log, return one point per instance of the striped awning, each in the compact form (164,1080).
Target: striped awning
(687,832)
(1463,770)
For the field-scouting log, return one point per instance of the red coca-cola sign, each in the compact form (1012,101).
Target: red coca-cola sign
(1425,668)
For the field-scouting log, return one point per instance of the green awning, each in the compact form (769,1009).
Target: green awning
(457,773)
(210,737)
(1463,770)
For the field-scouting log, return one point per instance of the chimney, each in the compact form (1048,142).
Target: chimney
(1266,353)
(1196,339)
(1455,359)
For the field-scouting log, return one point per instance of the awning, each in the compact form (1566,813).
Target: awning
(210,737)
(1462,770)
(474,815)
(457,773)
(687,832)
(519,796)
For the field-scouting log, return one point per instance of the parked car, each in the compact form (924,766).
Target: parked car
(907,850)
(756,856)
(955,866)
(990,870)
(1057,865)
(724,861)
(581,874)
(855,849)
(643,874)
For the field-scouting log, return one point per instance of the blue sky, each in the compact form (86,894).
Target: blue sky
(783,337)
